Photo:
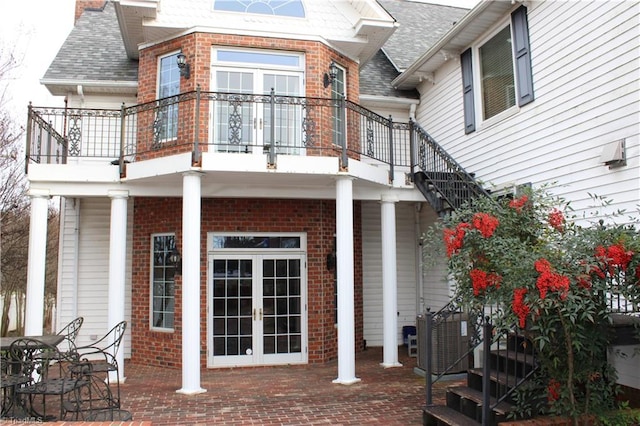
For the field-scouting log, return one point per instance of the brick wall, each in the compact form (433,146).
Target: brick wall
(197,48)
(314,217)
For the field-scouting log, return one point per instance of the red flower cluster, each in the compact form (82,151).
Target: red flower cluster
(549,280)
(453,238)
(485,223)
(614,255)
(480,280)
(518,203)
(519,307)
(553,390)
(556,220)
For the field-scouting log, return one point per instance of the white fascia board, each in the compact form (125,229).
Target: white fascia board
(386,100)
(108,85)
(82,173)
(162,166)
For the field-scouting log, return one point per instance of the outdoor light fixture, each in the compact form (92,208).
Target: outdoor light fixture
(175,260)
(331,75)
(185,69)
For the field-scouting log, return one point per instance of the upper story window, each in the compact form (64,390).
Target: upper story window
(293,8)
(499,69)
(166,126)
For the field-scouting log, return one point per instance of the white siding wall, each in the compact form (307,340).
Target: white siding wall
(436,290)
(83,286)
(627,366)
(372,269)
(586,70)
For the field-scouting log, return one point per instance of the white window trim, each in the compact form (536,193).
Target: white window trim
(482,123)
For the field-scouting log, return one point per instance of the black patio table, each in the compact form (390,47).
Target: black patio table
(12,376)
(47,339)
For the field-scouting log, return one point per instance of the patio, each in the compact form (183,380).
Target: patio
(284,395)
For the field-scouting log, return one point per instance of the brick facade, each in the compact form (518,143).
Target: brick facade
(197,48)
(316,218)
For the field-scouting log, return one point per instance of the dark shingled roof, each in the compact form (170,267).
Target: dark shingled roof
(421,26)
(94,51)
(376,77)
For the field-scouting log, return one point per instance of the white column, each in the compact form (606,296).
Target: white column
(191,203)
(389,284)
(117,267)
(346,305)
(37,259)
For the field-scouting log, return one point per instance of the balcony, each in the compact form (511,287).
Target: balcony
(261,126)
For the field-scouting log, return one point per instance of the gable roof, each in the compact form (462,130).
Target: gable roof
(421,25)
(93,56)
(459,37)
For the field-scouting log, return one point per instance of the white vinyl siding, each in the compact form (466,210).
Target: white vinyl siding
(372,269)
(89,299)
(585,65)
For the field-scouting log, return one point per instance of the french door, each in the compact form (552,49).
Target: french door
(243,124)
(257,309)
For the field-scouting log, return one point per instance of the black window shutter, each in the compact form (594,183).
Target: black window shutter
(467,91)
(522,55)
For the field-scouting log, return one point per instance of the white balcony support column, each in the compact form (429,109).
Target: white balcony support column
(346,304)
(117,268)
(191,204)
(37,259)
(389,283)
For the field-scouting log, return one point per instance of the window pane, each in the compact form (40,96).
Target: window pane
(163,284)
(496,64)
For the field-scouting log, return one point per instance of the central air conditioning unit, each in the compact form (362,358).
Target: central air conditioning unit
(449,343)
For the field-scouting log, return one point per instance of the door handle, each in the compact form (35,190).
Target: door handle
(254,123)
(261,124)
(260,314)
(254,314)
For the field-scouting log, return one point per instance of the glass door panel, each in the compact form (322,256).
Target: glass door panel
(288,117)
(233,309)
(282,299)
(234,119)
(258,314)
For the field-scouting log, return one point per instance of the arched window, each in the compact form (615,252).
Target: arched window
(292,8)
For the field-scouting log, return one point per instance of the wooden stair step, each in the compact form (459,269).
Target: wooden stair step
(497,377)
(448,416)
(474,395)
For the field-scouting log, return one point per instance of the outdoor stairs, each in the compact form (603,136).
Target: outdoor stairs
(508,366)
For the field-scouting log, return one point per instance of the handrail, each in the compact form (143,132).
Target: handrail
(199,121)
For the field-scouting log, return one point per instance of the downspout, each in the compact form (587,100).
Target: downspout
(76,258)
(419,260)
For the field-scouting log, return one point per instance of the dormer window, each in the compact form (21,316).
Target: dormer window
(292,8)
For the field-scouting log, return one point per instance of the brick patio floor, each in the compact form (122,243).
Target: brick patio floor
(283,395)
(287,395)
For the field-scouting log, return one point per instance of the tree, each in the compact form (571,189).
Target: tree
(14,211)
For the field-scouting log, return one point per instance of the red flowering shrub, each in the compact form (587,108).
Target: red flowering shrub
(480,280)
(519,306)
(553,390)
(519,203)
(485,223)
(453,238)
(549,280)
(555,275)
(556,220)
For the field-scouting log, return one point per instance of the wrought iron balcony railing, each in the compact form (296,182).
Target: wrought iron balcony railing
(270,124)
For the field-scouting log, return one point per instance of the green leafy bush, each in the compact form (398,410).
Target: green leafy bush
(551,276)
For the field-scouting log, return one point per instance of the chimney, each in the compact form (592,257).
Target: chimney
(81,5)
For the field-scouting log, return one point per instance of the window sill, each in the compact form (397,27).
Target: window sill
(499,118)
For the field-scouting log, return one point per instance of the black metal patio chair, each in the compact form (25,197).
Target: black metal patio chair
(70,333)
(102,356)
(48,373)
